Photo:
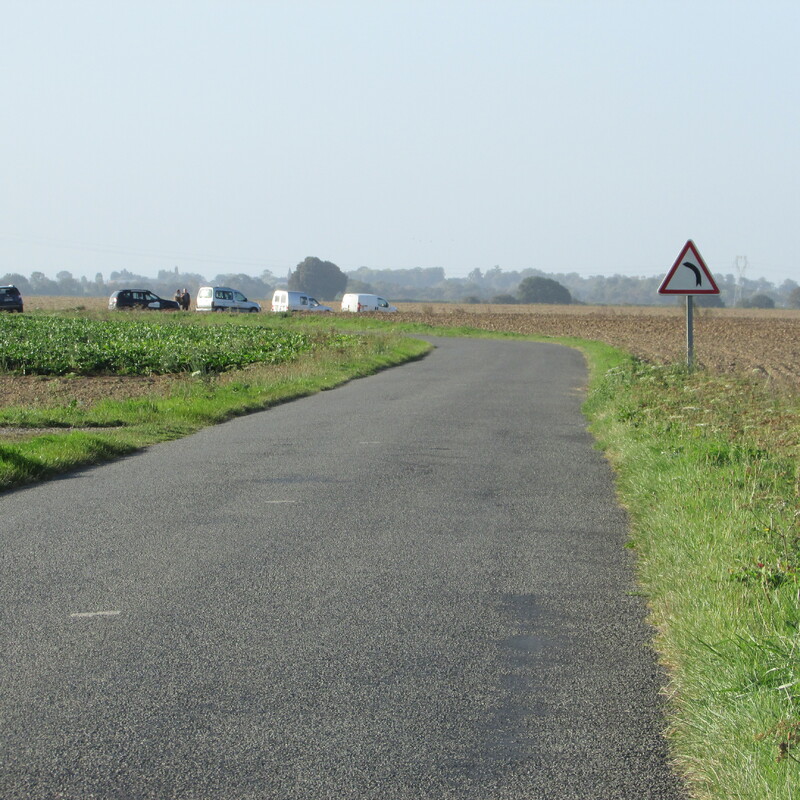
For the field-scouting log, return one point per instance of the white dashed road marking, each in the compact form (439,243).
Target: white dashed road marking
(82,614)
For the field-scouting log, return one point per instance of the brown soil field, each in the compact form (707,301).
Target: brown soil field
(764,343)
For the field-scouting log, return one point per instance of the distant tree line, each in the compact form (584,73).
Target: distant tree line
(498,286)
(326,281)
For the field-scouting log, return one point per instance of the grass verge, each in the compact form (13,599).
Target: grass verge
(707,468)
(80,435)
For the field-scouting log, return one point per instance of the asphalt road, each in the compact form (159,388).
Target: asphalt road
(413,586)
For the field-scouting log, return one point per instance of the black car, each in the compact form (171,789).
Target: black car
(140,298)
(10,299)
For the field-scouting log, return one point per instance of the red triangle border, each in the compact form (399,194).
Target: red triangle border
(690,245)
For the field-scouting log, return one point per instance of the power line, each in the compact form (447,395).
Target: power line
(145,253)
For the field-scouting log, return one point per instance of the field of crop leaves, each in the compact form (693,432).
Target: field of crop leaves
(761,342)
(53,345)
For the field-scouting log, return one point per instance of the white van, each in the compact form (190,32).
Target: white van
(365,302)
(222,298)
(295,301)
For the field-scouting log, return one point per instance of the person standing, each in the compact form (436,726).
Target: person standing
(185,300)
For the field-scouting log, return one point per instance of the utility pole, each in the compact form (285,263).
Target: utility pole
(741,267)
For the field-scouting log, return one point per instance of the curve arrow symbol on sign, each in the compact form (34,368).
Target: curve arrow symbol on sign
(697,276)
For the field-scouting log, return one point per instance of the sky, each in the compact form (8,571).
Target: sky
(237,136)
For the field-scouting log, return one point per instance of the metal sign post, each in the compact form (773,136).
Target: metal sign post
(689,276)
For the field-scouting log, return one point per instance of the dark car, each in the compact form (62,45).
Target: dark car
(140,298)
(10,299)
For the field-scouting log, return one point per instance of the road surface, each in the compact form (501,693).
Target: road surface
(412,586)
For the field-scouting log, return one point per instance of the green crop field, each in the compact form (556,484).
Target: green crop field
(51,345)
(58,410)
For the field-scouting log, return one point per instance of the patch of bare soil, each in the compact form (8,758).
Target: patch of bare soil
(41,391)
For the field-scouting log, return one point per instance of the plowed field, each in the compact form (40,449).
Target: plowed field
(765,343)
(725,340)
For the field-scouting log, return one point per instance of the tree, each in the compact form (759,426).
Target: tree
(794,298)
(15,279)
(41,284)
(67,285)
(360,287)
(319,278)
(504,299)
(758,301)
(125,276)
(269,278)
(709,300)
(537,289)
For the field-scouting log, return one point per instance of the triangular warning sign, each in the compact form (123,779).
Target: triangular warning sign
(689,274)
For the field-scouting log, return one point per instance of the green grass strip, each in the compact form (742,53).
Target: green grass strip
(119,427)
(707,467)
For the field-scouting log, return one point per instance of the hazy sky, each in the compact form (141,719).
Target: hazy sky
(589,136)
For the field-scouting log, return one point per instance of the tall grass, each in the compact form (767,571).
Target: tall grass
(707,467)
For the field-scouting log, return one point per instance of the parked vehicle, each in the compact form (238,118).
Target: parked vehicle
(223,298)
(10,299)
(296,301)
(365,302)
(140,298)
